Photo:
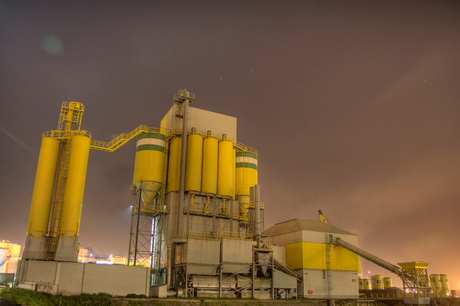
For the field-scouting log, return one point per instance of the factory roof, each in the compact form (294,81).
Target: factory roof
(295,225)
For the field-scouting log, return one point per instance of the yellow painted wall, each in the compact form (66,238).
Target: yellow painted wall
(309,255)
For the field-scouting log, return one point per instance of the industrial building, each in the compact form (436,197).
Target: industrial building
(310,251)
(197,224)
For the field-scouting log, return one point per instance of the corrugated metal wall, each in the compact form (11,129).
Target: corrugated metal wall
(70,277)
(117,279)
(78,278)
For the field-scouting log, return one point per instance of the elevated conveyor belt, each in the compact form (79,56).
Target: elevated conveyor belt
(374,259)
(280,266)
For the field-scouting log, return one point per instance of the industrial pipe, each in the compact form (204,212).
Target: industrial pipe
(257,209)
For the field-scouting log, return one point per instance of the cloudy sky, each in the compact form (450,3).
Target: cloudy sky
(353,106)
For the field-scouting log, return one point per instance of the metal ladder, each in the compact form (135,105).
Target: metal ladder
(60,199)
(328,267)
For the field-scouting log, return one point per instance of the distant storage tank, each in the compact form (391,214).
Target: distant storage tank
(149,165)
(210,163)
(387,283)
(75,186)
(361,283)
(174,165)
(246,176)
(43,188)
(225,167)
(194,162)
(444,284)
(435,282)
(377,283)
(367,284)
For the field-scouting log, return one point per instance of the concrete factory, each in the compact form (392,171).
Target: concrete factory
(197,223)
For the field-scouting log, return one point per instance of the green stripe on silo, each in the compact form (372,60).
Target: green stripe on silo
(150,147)
(151,135)
(246,165)
(246,154)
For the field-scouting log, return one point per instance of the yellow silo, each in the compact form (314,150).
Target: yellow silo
(225,167)
(149,165)
(377,282)
(444,284)
(360,283)
(246,177)
(210,162)
(367,284)
(387,283)
(75,186)
(174,165)
(43,188)
(435,283)
(194,162)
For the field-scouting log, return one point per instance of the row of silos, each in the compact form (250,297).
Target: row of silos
(213,166)
(72,158)
(440,284)
(377,282)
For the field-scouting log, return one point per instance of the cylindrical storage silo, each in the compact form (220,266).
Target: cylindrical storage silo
(194,162)
(387,283)
(444,284)
(377,283)
(435,281)
(43,188)
(367,284)
(75,186)
(174,165)
(225,167)
(245,176)
(360,283)
(210,163)
(149,165)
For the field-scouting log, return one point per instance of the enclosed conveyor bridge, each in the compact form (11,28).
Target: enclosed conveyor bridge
(406,277)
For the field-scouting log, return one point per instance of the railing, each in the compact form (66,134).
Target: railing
(215,236)
(58,134)
(236,144)
(253,205)
(121,139)
(245,148)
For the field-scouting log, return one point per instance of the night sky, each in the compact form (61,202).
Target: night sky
(354,107)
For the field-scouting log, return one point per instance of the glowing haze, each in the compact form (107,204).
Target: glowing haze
(353,105)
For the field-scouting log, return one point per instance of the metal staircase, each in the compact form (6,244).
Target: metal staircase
(121,139)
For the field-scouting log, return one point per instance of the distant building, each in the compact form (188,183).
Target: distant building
(87,255)
(10,254)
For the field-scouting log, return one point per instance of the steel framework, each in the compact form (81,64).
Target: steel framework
(147,245)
